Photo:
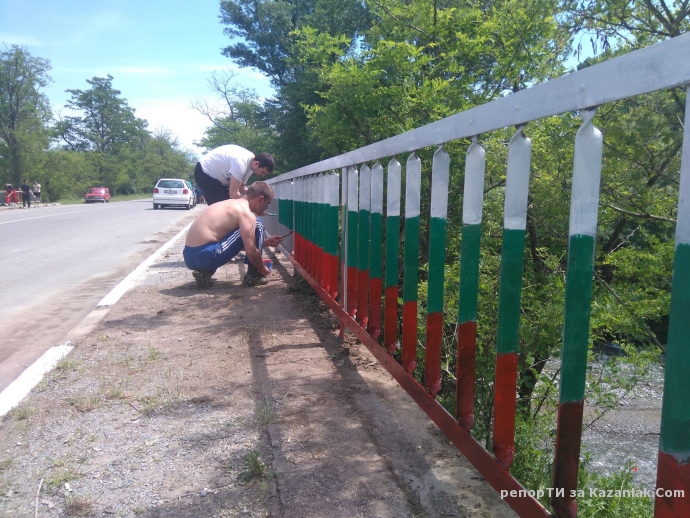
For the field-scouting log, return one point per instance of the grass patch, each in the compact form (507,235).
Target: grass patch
(22,412)
(113,389)
(168,392)
(66,365)
(5,464)
(78,506)
(153,354)
(84,403)
(264,412)
(60,478)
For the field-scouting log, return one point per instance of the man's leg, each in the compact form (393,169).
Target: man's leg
(212,189)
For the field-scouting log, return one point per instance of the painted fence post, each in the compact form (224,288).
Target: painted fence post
(313,202)
(375,270)
(321,230)
(297,190)
(352,224)
(364,245)
(413,187)
(673,471)
(584,206)
(437,263)
(510,289)
(473,199)
(332,234)
(390,326)
(343,245)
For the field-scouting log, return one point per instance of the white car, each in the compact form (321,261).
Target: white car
(172,192)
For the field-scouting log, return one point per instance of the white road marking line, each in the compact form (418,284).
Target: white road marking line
(16,391)
(20,388)
(39,217)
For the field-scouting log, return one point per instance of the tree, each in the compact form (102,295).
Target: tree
(239,119)
(24,110)
(268,30)
(621,23)
(107,121)
(105,127)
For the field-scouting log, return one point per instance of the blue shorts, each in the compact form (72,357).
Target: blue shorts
(212,256)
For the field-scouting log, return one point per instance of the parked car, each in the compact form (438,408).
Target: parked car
(172,192)
(191,189)
(97,194)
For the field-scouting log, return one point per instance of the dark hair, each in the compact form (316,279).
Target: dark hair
(266,160)
(259,189)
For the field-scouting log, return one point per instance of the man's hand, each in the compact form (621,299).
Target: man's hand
(273,241)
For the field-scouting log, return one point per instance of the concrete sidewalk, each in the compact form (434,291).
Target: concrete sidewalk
(231,401)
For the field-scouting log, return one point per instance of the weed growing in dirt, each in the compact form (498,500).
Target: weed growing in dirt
(254,467)
(153,354)
(64,470)
(103,338)
(22,412)
(59,478)
(84,403)
(78,506)
(169,392)
(5,464)
(265,411)
(66,365)
(112,388)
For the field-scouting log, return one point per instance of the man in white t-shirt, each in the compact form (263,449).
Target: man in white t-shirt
(222,173)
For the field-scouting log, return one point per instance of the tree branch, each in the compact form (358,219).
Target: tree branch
(639,319)
(639,215)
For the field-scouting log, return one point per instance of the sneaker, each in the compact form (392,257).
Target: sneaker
(239,257)
(250,281)
(203,278)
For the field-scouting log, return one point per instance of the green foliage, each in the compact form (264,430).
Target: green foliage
(24,113)
(105,123)
(268,31)
(254,468)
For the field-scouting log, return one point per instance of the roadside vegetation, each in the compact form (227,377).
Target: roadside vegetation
(96,140)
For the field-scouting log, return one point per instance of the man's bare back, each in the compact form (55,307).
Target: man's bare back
(218,220)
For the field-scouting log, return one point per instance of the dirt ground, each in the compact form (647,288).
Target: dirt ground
(231,401)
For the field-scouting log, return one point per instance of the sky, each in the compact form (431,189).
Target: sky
(160,53)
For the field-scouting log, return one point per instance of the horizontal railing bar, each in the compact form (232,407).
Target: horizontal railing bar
(660,66)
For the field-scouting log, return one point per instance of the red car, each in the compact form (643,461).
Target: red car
(97,194)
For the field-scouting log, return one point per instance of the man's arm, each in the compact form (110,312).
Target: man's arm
(237,188)
(247,233)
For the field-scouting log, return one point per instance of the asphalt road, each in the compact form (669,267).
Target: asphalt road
(57,262)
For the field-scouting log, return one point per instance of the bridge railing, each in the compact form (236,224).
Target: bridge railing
(336,210)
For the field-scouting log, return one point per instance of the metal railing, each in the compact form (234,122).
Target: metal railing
(351,280)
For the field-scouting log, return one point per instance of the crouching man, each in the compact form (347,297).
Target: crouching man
(225,228)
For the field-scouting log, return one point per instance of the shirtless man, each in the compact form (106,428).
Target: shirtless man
(225,228)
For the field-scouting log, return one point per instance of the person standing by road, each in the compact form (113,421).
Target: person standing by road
(37,191)
(26,193)
(222,173)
